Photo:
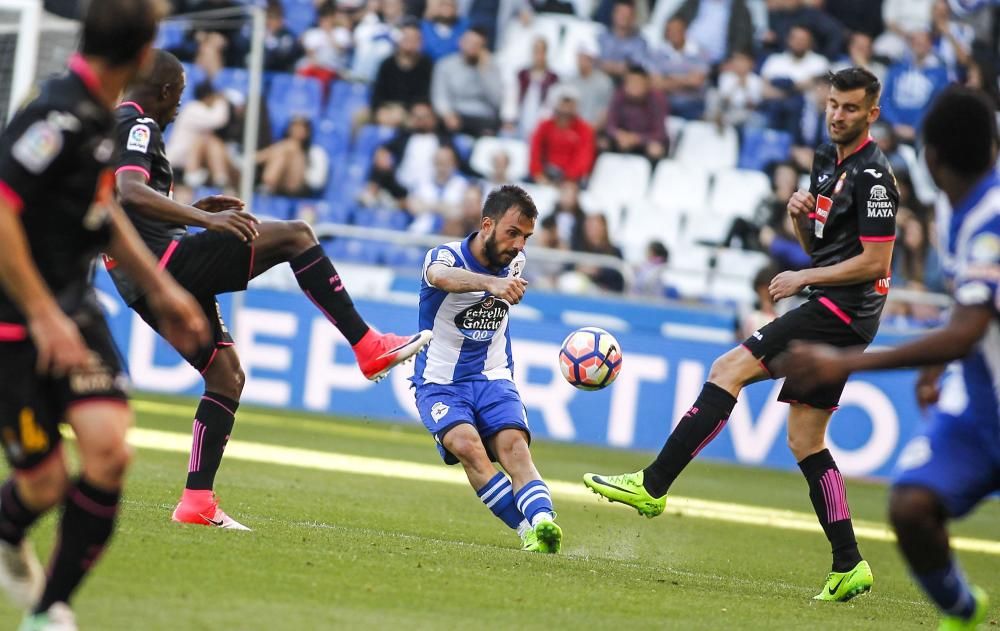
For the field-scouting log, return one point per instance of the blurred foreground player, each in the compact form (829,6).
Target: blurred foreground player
(234,248)
(57,358)
(847,224)
(464,382)
(954,463)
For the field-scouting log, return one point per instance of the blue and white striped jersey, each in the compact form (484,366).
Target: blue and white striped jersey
(471,337)
(973,261)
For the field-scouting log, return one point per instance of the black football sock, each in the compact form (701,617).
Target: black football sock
(700,425)
(213,423)
(15,517)
(321,283)
(829,499)
(88,520)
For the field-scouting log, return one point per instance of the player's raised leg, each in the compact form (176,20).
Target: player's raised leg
(850,575)
(646,490)
(294,242)
(531,495)
(461,441)
(212,427)
(90,506)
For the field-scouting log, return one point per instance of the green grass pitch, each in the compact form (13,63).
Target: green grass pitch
(336,551)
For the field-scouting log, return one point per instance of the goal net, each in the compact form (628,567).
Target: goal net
(33,45)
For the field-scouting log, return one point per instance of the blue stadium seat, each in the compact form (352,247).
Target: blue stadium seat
(390,219)
(761,147)
(336,142)
(356,250)
(291,95)
(271,206)
(193,75)
(346,99)
(406,257)
(171,34)
(299,15)
(236,79)
(316,211)
(368,139)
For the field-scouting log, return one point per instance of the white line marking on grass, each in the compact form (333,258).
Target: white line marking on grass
(382,467)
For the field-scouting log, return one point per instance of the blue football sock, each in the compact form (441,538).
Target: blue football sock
(948,588)
(533,499)
(498,496)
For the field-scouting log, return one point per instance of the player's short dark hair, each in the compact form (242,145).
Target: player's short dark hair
(962,128)
(856,78)
(166,69)
(508,196)
(117,30)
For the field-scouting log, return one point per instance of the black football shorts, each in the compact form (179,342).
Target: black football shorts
(810,322)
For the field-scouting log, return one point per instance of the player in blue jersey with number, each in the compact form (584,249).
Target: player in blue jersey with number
(464,378)
(954,463)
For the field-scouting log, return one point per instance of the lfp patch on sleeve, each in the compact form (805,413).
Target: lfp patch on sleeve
(138,138)
(38,146)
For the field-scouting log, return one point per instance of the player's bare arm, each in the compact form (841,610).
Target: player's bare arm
(800,205)
(181,319)
(460,281)
(57,339)
(822,364)
(872,264)
(218,213)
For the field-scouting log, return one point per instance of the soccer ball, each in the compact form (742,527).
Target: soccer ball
(590,358)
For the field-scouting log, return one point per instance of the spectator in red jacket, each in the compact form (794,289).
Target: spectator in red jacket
(562,147)
(636,118)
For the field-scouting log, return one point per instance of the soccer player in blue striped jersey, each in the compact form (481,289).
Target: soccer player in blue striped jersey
(464,378)
(954,462)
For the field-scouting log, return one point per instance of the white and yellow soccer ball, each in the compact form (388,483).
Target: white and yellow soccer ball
(590,358)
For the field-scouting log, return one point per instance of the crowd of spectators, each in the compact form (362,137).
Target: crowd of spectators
(440,74)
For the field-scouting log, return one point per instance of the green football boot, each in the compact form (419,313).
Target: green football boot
(549,536)
(529,541)
(843,586)
(954,623)
(626,489)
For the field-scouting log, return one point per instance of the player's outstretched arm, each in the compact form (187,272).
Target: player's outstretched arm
(57,339)
(181,319)
(459,281)
(817,363)
(872,264)
(211,213)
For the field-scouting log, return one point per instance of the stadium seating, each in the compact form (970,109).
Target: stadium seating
(171,33)
(317,211)
(299,15)
(293,95)
(737,193)
(708,146)
(645,222)
(517,150)
(347,98)
(574,33)
(761,147)
(272,206)
(545,198)
(235,79)
(689,271)
(679,186)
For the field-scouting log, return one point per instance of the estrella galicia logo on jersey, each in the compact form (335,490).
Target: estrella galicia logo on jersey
(879,203)
(481,321)
(138,138)
(38,146)
(438,411)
